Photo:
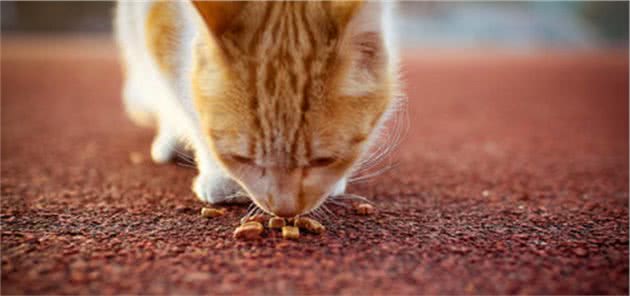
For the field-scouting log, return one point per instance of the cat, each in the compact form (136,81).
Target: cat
(281,99)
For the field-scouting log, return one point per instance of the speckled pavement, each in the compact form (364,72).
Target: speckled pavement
(513,178)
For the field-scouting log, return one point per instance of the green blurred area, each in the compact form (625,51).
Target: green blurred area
(56,16)
(551,23)
(609,18)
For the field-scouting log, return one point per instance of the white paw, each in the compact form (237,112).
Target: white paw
(216,188)
(163,147)
(340,188)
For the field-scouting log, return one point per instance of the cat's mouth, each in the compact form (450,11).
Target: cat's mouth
(265,206)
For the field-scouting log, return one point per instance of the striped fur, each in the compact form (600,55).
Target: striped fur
(283,97)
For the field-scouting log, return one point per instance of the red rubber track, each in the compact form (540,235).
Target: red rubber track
(513,179)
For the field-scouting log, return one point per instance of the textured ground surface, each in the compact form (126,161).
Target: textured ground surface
(513,179)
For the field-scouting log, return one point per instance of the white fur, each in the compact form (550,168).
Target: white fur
(376,16)
(149,94)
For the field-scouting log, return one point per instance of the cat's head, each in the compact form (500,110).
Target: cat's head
(289,94)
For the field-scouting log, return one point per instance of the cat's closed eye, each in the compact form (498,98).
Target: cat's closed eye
(321,162)
(242,159)
(315,163)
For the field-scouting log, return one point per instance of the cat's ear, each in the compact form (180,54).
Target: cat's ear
(217,15)
(343,11)
(364,44)
(364,35)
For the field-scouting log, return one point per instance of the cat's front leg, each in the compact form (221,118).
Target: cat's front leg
(214,186)
(164,145)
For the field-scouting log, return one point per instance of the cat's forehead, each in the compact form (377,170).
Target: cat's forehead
(282,55)
(280,37)
(282,94)
(293,22)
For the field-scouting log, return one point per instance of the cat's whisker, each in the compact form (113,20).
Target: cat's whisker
(376,171)
(182,164)
(184,160)
(372,174)
(327,210)
(375,156)
(319,212)
(351,196)
(367,173)
(315,213)
(236,195)
(360,181)
(323,215)
(371,169)
(184,156)
(337,203)
(398,128)
(251,206)
(253,213)
(254,209)
(372,162)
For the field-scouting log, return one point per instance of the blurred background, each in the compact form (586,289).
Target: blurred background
(511,25)
(512,177)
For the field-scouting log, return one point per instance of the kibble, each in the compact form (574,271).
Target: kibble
(310,225)
(365,209)
(136,157)
(277,222)
(212,212)
(290,232)
(249,231)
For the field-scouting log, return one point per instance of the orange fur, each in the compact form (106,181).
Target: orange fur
(218,15)
(275,87)
(283,69)
(163,34)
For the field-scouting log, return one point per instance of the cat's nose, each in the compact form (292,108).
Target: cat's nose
(285,213)
(286,208)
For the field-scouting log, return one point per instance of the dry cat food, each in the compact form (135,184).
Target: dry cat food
(364,209)
(253,226)
(277,222)
(310,225)
(250,230)
(136,157)
(290,232)
(212,212)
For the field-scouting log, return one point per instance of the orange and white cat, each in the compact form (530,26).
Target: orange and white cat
(281,99)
